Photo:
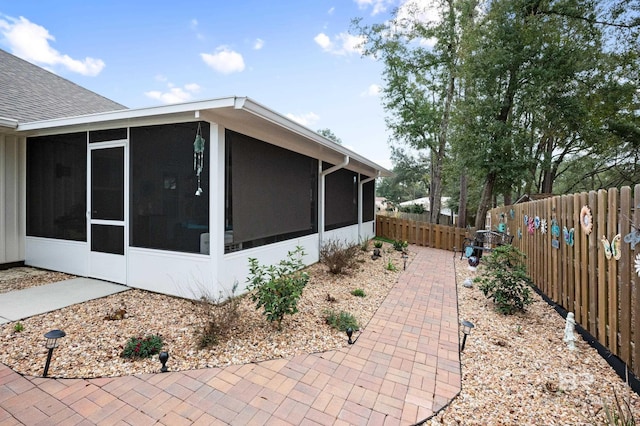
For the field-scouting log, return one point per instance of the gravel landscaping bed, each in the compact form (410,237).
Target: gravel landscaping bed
(517,370)
(93,344)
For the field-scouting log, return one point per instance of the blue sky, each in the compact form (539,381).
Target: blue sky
(296,57)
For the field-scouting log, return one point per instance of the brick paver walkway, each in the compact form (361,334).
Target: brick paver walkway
(403,368)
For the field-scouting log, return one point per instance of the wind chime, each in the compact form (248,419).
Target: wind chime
(198,157)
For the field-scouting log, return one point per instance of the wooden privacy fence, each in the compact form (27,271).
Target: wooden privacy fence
(571,267)
(420,233)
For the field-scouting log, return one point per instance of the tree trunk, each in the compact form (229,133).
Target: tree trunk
(462,207)
(485,200)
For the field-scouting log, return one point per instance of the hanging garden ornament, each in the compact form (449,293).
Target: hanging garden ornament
(612,249)
(536,222)
(519,233)
(586,220)
(568,236)
(502,226)
(543,226)
(198,157)
(555,228)
(512,214)
(526,220)
(637,262)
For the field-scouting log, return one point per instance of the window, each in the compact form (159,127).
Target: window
(165,211)
(341,199)
(270,193)
(368,200)
(57,186)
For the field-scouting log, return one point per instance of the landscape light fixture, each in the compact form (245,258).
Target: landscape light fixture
(466,330)
(349,334)
(164,357)
(405,256)
(51,343)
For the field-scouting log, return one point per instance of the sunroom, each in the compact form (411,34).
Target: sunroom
(177,198)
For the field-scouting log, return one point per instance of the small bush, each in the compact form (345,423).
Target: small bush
(358,292)
(400,245)
(18,327)
(220,315)
(142,347)
(338,256)
(364,245)
(277,289)
(620,413)
(504,280)
(341,320)
(390,266)
(377,244)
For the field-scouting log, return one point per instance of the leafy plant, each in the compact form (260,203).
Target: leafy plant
(390,266)
(341,320)
(277,288)
(338,256)
(142,347)
(18,327)
(504,280)
(377,244)
(220,316)
(400,245)
(358,292)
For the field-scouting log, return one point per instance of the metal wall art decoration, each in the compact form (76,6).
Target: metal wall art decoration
(531,227)
(519,233)
(637,264)
(612,249)
(586,219)
(543,226)
(555,228)
(198,157)
(512,214)
(555,244)
(568,235)
(632,238)
(536,222)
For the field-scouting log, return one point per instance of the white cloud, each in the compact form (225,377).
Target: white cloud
(258,44)
(372,90)
(31,42)
(330,12)
(342,44)
(308,119)
(224,60)
(174,94)
(194,24)
(378,6)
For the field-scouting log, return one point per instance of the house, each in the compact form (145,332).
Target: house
(169,198)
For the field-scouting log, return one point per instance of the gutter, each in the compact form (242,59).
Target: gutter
(321,190)
(9,123)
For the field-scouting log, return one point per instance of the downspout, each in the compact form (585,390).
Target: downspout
(360,202)
(322,174)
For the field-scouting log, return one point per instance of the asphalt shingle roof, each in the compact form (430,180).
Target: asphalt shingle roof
(30,93)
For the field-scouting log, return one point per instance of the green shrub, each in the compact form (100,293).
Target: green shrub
(219,315)
(620,413)
(277,289)
(338,256)
(400,245)
(341,320)
(390,266)
(364,245)
(142,347)
(18,327)
(377,244)
(504,280)
(358,292)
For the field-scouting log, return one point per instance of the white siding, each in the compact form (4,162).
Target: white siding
(12,195)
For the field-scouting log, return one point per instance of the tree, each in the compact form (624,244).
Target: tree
(410,180)
(420,60)
(327,133)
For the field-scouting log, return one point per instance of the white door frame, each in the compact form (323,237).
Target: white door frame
(107,266)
